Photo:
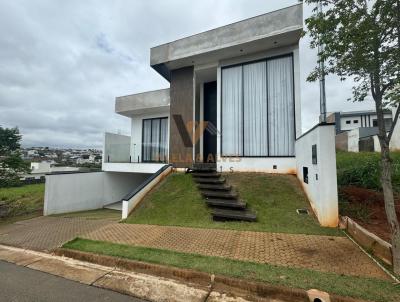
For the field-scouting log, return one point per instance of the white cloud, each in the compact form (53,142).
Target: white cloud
(62,63)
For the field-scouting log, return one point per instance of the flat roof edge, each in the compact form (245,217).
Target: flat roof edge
(230,24)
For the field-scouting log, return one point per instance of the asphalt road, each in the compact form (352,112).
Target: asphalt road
(21,284)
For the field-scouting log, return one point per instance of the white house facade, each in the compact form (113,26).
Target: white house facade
(233,103)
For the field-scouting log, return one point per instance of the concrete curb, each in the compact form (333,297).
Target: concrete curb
(257,290)
(377,246)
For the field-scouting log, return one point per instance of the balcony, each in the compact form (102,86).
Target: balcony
(119,158)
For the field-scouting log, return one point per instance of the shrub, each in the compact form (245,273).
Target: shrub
(363,169)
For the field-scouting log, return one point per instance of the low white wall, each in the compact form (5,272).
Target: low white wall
(353,137)
(321,188)
(129,205)
(283,165)
(87,191)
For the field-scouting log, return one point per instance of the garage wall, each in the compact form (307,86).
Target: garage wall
(66,193)
(320,184)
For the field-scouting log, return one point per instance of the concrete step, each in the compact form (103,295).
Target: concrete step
(226,203)
(215,187)
(221,195)
(206,174)
(205,180)
(204,167)
(225,214)
(114,206)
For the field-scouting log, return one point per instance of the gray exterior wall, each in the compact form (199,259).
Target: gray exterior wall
(182,94)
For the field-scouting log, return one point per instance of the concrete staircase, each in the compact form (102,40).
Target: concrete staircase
(224,202)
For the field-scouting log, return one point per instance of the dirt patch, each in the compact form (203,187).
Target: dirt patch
(367,208)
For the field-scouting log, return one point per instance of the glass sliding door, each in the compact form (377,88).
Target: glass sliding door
(281,107)
(154,140)
(257,108)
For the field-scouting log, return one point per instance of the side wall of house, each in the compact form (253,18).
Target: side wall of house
(318,177)
(181,111)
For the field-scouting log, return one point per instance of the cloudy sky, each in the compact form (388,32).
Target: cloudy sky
(62,63)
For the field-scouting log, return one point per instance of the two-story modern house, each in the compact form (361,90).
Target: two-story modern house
(234,103)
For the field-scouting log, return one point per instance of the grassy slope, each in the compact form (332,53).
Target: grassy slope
(25,201)
(274,198)
(365,288)
(362,169)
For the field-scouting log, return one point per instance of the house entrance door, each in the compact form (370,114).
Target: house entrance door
(210,116)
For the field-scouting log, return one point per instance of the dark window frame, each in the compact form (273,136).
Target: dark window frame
(265,59)
(151,139)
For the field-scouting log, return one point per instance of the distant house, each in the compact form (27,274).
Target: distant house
(357,130)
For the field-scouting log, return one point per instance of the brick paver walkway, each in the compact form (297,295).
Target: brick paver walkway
(322,253)
(47,233)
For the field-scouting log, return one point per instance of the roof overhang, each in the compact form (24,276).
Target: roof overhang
(275,29)
(150,102)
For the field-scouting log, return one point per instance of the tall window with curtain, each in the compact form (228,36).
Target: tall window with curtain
(154,140)
(257,103)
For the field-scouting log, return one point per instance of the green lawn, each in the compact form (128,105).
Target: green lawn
(274,198)
(357,287)
(363,169)
(21,202)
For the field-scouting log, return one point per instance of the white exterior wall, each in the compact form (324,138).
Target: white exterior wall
(352,125)
(353,137)
(132,167)
(87,191)
(136,132)
(261,164)
(395,141)
(321,189)
(284,165)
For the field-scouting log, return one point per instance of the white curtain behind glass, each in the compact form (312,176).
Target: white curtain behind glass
(280,107)
(155,140)
(146,156)
(163,139)
(232,142)
(255,109)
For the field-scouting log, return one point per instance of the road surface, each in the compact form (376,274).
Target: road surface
(21,284)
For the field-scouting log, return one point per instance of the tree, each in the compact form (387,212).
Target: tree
(361,41)
(11,163)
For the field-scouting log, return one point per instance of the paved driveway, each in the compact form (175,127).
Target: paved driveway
(322,253)
(47,233)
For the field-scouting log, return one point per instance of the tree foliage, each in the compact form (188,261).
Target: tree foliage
(11,163)
(361,41)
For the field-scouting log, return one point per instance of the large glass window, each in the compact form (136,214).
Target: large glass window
(154,140)
(258,108)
